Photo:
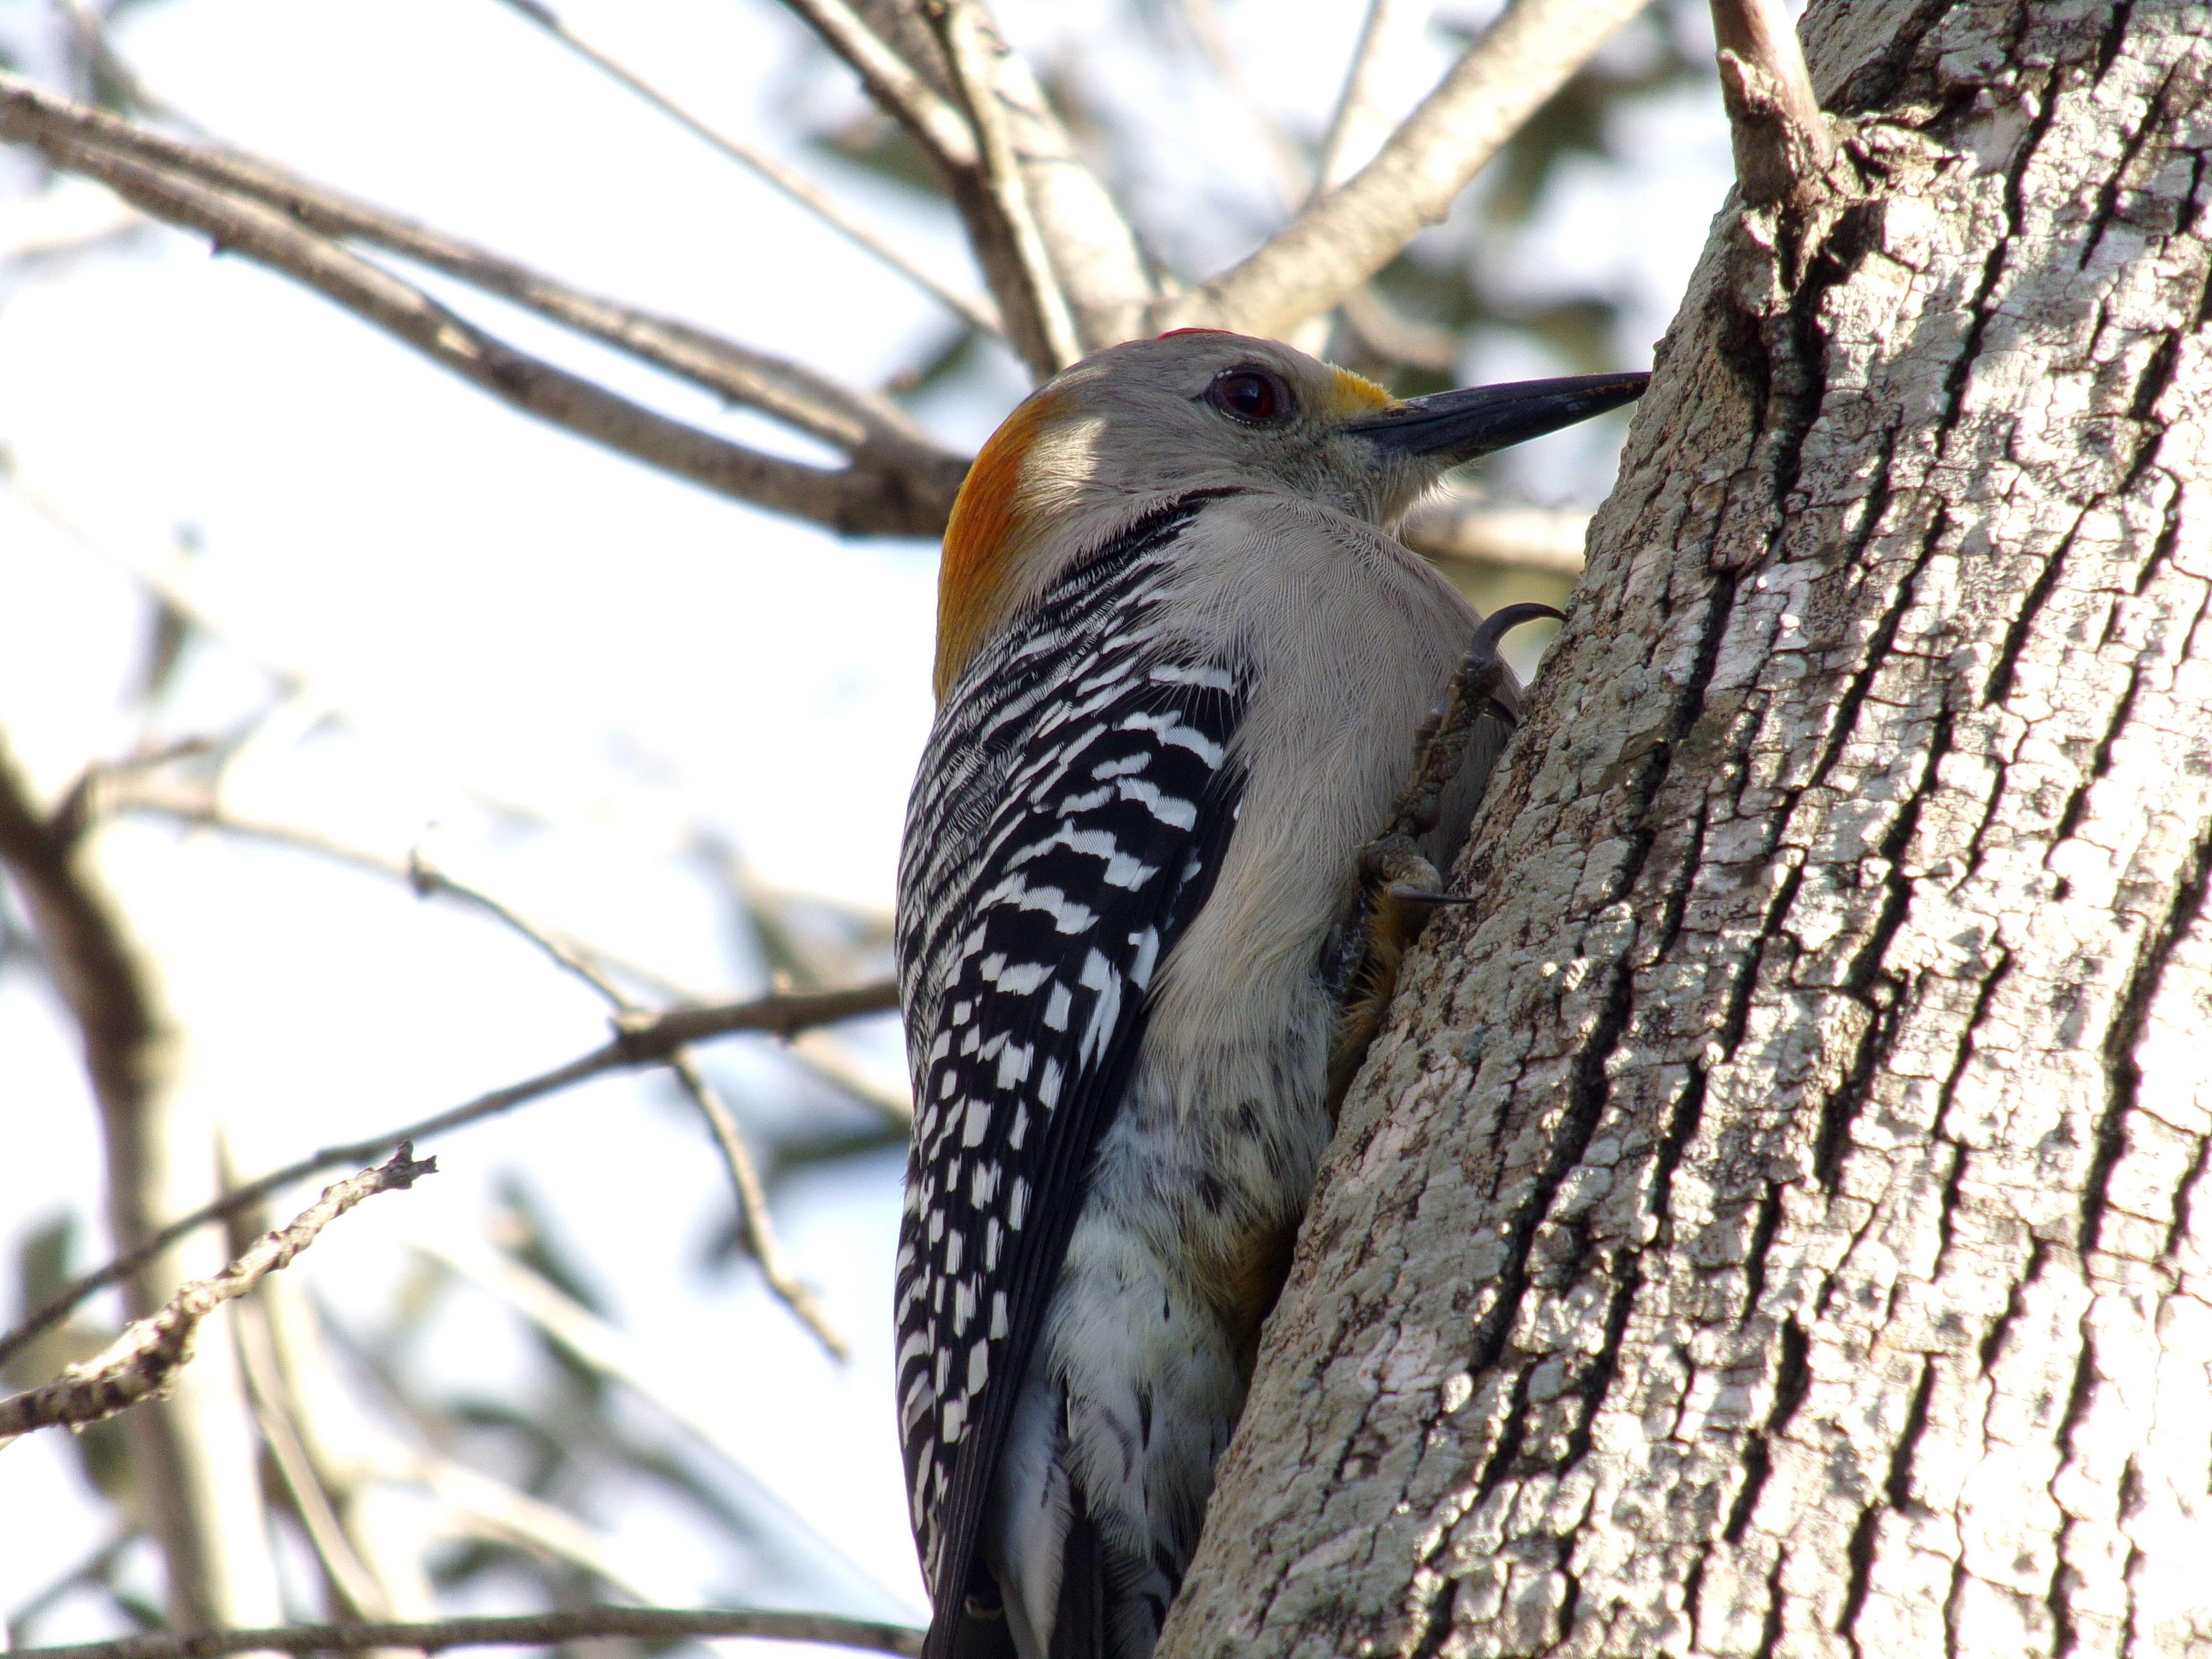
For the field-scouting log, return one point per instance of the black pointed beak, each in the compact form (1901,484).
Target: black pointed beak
(1458,426)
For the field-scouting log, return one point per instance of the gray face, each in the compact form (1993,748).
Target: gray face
(1198,410)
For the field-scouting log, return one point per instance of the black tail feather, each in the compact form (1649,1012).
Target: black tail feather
(1078,1630)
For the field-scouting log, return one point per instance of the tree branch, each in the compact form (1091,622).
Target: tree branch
(140,1362)
(1345,236)
(978,311)
(1781,139)
(759,1231)
(534,1629)
(1055,247)
(1360,124)
(347,1576)
(124,788)
(943,134)
(1007,236)
(640,1039)
(1505,538)
(92,965)
(792,393)
(898,484)
(197,1478)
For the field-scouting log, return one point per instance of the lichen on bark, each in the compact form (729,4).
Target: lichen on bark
(1777,1220)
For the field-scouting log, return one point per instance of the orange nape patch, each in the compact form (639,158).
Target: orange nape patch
(1174,332)
(980,534)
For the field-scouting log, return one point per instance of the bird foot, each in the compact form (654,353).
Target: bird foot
(1397,889)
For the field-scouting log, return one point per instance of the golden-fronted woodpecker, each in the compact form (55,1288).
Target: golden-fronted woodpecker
(1181,666)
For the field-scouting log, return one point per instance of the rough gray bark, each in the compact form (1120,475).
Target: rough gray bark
(1778,1221)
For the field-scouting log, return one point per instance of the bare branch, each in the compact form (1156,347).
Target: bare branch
(1509,537)
(898,484)
(752,1208)
(92,963)
(533,1630)
(736,1157)
(978,60)
(1360,124)
(1345,236)
(91,1569)
(114,790)
(348,1574)
(642,1039)
(1389,335)
(796,185)
(348,1453)
(202,1502)
(944,134)
(792,393)
(127,787)
(426,879)
(655,1036)
(1782,140)
(142,1360)
(1040,221)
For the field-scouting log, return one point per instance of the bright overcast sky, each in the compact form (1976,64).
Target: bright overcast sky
(499,624)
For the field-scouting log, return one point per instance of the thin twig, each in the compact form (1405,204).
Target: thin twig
(126,788)
(599,1345)
(752,1208)
(140,1363)
(426,879)
(93,1568)
(1782,141)
(796,185)
(736,1157)
(348,1574)
(108,65)
(1345,236)
(533,1629)
(642,1040)
(346,1451)
(892,488)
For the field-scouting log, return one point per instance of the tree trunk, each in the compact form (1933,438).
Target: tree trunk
(1777,1221)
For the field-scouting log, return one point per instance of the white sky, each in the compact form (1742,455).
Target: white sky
(508,620)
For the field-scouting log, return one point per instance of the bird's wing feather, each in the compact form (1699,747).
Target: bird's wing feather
(1074,825)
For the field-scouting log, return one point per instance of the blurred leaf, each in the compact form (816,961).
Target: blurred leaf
(527,1231)
(880,146)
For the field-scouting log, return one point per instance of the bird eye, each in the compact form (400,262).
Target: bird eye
(1250,394)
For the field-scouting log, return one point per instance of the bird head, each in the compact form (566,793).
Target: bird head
(1143,423)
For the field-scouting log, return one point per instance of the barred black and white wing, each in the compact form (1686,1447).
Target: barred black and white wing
(1073,808)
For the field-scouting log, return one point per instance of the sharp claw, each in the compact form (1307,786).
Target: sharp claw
(1503,621)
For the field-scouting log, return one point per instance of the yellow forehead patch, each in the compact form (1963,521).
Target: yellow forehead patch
(1350,396)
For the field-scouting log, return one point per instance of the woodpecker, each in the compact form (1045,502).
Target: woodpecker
(1181,667)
